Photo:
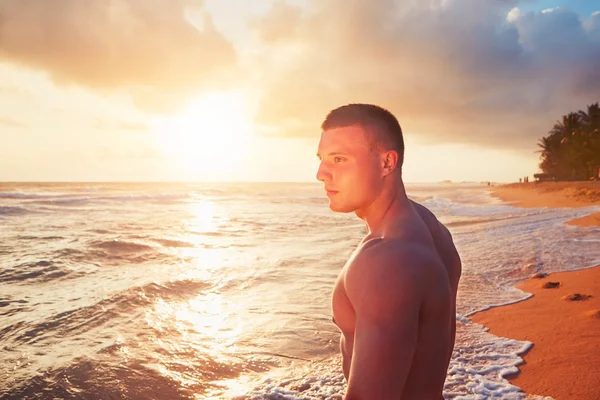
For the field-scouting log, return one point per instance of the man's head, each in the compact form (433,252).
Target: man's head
(361,150)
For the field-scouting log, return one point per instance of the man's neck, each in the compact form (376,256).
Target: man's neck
(391,203)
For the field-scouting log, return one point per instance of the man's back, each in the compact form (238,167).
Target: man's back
(422,261)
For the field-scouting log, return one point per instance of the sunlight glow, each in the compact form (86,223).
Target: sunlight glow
(201,225)
(202,217)
(207,138)
(203,321)
(196,332)
(207,315)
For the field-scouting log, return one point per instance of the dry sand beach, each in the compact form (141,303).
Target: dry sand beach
(553,194)
(562,318)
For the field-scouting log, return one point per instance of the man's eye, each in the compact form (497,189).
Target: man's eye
(338,159)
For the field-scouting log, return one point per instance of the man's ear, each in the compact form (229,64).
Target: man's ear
(390,161)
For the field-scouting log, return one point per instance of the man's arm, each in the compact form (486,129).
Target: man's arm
(385,285)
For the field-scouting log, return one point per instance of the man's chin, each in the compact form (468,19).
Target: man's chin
(339,208)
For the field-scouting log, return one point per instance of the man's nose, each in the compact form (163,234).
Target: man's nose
(323,172)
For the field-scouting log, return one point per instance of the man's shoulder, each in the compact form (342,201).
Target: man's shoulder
(390,268)
(396,254)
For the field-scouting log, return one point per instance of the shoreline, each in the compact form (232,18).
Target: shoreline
(564,357)
(561,322)
(553,195)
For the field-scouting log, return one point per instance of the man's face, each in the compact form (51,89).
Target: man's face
(350,170)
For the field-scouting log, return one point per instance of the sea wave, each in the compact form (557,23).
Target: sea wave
(173,243)
(13,210)
(41,271)
(9,306)
(103,254)
(62,201)
(103,379)
(114,309)
(66,198)
(120,246)
(145,197)
(20,195)
(35,238)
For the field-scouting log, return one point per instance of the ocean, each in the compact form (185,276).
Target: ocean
(222,290)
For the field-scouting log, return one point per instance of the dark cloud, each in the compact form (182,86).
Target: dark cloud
(454,70)
(11,123)
(147,47)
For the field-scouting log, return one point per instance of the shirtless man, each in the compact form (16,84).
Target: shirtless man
(395,299)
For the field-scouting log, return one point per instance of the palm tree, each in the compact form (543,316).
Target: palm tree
(571,151)
(591,141)
(550,147)
(566,132)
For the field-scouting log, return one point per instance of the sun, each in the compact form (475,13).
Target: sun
(208,137)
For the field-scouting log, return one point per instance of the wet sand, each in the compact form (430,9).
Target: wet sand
(564,361)
(561,320)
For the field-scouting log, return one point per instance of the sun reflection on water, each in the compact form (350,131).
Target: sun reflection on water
(207,315)
(205,249)
(197,338)
(203,218)
(204,320)
(202,336)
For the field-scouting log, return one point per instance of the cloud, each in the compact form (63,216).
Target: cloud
(470,71)
(126,153)
(131,126)
(15,92)
(279,24)
(11,123)
(549,10)
(147,47)
(513,14)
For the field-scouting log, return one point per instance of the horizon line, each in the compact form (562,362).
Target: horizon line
(444,181)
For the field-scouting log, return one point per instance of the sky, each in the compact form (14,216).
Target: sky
(232,90)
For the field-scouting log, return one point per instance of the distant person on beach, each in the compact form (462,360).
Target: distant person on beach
(395,298)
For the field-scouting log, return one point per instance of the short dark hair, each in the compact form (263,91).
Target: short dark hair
(370,117)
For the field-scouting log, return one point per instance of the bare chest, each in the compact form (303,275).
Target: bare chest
(342,310)
(341,307)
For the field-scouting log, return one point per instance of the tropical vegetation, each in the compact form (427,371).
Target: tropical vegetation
(571,151)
